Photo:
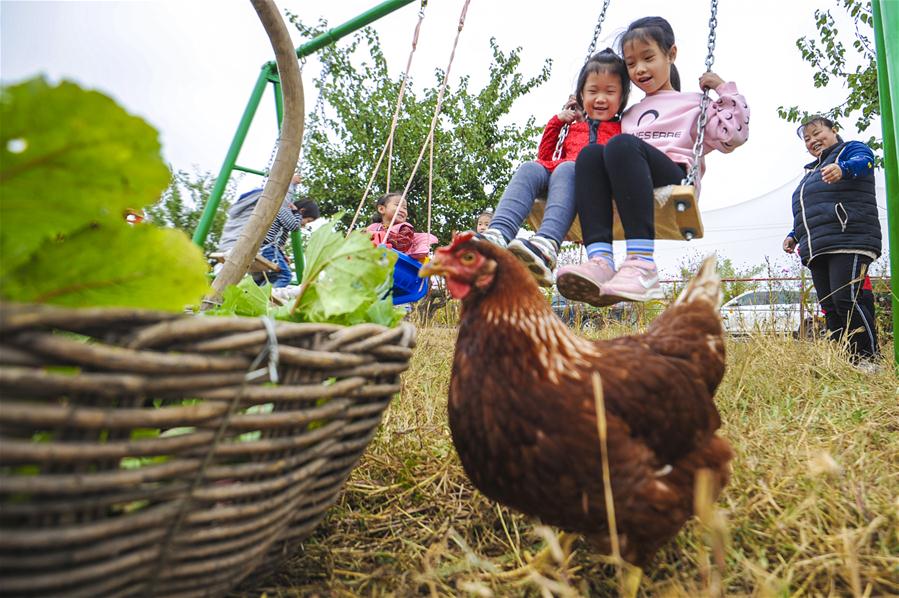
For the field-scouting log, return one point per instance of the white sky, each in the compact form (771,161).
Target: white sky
(189,67)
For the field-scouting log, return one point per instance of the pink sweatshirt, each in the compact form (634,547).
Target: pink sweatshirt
(667,121)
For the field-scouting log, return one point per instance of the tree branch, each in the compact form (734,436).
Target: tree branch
(267,207)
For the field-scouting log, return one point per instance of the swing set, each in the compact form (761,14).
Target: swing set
(676,209)
(676,206)
(677,213)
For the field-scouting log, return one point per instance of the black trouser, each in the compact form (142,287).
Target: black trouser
(838,279)
(627,169)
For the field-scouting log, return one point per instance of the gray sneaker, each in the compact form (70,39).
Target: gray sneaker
(492,235)
(539,256)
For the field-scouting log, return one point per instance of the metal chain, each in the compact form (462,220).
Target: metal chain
(271,159)
(705,101)
(596,30)
(557,153)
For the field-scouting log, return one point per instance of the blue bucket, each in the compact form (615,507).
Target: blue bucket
(407,286)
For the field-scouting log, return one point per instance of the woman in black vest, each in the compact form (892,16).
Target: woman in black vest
(836,230)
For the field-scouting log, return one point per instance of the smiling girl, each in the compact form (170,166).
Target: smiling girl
(401,236)
(655,150)
(602,90)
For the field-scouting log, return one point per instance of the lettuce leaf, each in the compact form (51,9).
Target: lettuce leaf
(72,163)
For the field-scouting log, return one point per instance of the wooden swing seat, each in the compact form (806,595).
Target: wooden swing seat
(676,216)
(260,264)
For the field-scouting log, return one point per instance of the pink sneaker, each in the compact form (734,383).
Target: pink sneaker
(584,282)
(636,280)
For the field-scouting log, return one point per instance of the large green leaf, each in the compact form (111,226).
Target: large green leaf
(345,277)
(68,157)
(113,263)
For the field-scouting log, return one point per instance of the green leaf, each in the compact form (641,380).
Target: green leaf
(344,277)
(69,157)
(245,299)
(112,264)
(385,313)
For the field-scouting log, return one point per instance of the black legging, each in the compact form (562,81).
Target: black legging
(628,169)
(838,281)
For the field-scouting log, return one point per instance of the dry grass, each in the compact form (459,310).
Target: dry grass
(811,511)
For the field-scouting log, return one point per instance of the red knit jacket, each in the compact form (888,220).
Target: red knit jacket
(578,137)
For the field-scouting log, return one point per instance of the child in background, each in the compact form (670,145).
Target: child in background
(308,210)
(402,235)
(484,219)
(272,247)
(602,91)
(655,150)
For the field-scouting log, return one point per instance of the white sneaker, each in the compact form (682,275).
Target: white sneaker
(493,235)
(539,255)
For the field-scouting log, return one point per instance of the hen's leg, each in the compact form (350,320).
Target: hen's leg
(544,557)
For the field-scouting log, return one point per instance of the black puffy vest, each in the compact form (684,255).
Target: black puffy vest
(836,216)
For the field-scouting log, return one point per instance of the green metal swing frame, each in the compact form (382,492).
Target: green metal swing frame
(269,74)
(886,18)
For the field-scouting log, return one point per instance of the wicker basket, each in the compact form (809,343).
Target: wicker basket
(137,457)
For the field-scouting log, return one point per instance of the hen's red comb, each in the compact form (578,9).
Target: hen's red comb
(459,238)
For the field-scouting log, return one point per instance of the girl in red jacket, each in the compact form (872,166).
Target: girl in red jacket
(602,90)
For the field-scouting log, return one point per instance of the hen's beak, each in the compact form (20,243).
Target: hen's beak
(435,267)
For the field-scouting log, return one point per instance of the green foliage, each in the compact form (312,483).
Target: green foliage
(345,279)
(73,163)
(246,298)
(474,154)
(344,282)
(182,203)
(112,264)
(690,264)
(828,56)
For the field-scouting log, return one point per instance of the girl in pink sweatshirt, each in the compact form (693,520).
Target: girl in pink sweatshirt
(655,149)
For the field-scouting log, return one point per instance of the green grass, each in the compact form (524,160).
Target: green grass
(811,510)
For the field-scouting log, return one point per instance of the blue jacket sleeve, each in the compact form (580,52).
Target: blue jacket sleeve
(856,160)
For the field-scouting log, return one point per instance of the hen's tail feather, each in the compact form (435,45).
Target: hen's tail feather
(705,286)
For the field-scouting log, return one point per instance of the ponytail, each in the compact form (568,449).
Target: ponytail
(675,78)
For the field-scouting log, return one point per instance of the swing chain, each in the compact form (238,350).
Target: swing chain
(597,29)
(271,159)
(713,26)
(693,174)
(563,133)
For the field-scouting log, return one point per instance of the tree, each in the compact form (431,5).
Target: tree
(474,154)
(828,56)
(183,201)
(690,263)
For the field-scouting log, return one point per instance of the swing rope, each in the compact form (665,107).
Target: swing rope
(437,108)
(430,184)
(705,101)
(421,16)
(557,153)
(393,124)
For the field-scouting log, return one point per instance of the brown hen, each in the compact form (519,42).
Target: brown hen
(522,409)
